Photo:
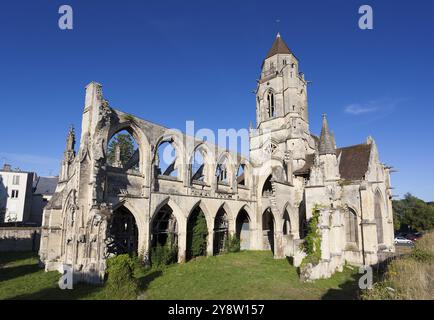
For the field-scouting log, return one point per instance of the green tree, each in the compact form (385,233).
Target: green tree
(413,213)
(197,235)
(126,144)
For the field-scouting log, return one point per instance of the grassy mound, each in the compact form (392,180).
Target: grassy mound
(242,275)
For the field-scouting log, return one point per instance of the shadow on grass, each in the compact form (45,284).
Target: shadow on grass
(146,279)
(9,273)
(349,290)
(80,291)
(8,257)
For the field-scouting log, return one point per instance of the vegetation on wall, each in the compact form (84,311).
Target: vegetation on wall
(197,236)
(312,241)
(412,214)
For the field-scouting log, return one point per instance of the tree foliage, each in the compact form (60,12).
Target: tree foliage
(413,214)
(197,235)
(126,144)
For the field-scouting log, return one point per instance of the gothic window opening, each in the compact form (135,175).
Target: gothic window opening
(302,220)
(222,172)
(165,160)
(123,233)
(271,105)
(350,225)
(378,218)
(197,167)
(164,228)
(286,223)
(241,178)
(221,228)
(243,229)
(268,230)
(267,189)
(123,152)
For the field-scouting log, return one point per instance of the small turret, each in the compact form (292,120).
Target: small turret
(326,142)
(68,155)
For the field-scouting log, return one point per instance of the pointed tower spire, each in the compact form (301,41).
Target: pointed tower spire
(279,47)
(326,140)
(70,140)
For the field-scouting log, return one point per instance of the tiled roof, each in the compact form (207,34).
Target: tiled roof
(354,161)
(46,185)
(279,47)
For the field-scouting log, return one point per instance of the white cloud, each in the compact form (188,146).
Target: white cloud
(357,109)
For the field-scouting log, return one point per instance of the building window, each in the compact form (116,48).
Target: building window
(271,105)
(351,226)
(16,180)
(14,194)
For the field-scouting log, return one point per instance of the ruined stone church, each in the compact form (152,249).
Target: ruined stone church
(105,206)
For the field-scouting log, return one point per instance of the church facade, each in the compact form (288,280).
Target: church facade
(105,206)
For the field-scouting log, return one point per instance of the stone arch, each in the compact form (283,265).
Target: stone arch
(243,228)
(290,215)
(123,232)
(208,164)
(220,230)
(197,228)
(268,230)
(378,215)
(226,159)
(287,229)
(175,140)
(246,173)
(141,139)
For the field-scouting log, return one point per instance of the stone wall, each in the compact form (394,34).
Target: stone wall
(19,239)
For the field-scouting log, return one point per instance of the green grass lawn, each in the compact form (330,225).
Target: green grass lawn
(244,275)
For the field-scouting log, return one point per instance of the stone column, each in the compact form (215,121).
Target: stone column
(279,252)
(210,242)
(182,246)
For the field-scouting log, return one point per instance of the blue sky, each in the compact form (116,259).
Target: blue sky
(171,61)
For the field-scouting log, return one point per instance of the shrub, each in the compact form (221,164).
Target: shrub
(164,255)
(121,283)
(232,243)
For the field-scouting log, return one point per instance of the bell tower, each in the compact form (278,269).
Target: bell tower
(281,93)
(282,123)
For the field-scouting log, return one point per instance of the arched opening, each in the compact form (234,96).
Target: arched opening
(267,189)
(271,105)
(268,230)
(123,152)
(222,171)
(197,234)
(243,229)
(123,233)
(350,225)
(302,219)
(165,160)
(221,228)
(241,177)
(286,224)
(378,218)
(164,228)
(197,167)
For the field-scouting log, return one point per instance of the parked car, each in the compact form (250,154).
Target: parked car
(402,240)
